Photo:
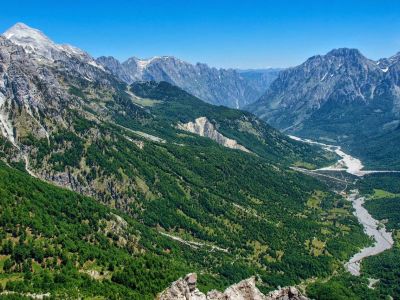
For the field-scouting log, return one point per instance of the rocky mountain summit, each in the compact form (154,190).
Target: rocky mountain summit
(227,87)
(185,289)
(341,76)
(217,86)
(42,79)
(63,62)
(42,48)
(341,97)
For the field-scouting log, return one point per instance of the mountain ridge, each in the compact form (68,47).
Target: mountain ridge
(37,43)
(144,199)
(342,97)
(227,87)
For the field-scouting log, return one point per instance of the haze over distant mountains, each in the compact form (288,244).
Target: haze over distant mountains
(228,87)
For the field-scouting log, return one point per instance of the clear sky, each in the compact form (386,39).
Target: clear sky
(221,33)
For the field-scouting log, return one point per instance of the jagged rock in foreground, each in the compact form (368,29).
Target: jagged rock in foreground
(185,289)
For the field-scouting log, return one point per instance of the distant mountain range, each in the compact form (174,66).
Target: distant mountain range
(228,87)
(341,97)
(168,184)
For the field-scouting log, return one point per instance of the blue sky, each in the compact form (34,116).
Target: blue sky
(221,33)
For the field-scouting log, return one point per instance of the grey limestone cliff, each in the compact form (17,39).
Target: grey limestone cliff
(185,289)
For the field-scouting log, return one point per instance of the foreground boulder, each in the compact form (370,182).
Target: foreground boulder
(185,289)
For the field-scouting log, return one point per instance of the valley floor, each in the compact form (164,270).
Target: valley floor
(383,240)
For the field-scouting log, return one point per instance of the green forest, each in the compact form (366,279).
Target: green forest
(382,194)
(147,184)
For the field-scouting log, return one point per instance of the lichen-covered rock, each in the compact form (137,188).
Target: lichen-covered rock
(185,289)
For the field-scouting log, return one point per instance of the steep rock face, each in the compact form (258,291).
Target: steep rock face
(260,79)
(43,96)
(36,76)
(115,67)
(203,127)
(185,289)
(31,87)
(341,76)
(392,80)
(222,86)
(216,86)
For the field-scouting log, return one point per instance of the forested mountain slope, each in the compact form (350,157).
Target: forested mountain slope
(190,199)
(57,243)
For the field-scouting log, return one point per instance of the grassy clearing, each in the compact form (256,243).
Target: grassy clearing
(381,194)
(305,165)
(36,267)
(4,278)
(317,247)
(315,199)
(2,260)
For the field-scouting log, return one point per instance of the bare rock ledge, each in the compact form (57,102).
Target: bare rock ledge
(185,289)
(203,127)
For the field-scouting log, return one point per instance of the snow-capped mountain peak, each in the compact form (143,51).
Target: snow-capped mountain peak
(41,47)
(32,40)
(143,63)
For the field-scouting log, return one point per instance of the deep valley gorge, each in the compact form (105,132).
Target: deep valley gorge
(161,179)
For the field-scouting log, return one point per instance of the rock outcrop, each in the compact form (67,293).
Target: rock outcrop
(28,86)
(203,127)
(185,289)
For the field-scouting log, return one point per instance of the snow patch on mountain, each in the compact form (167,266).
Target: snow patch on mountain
(143,63)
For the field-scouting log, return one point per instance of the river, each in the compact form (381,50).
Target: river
(383,239)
